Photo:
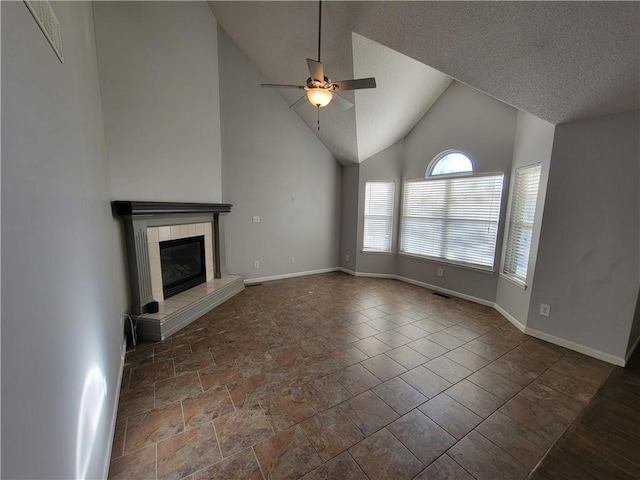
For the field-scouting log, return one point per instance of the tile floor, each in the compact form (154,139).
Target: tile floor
(333,377)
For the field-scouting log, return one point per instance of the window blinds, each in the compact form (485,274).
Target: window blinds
(523,209)
(378,216)
(453,219)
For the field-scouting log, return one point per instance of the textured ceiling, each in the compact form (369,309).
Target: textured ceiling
(560,61)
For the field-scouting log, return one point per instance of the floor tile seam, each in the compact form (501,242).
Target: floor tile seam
(408,449)
(524,427)
(488,391)
(156,452)
(379,398)
(559,392)
(529,470)
(215,433)
(257,461)
(442,426)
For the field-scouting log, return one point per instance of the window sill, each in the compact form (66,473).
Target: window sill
(465,266)
(375,252)
(512,280)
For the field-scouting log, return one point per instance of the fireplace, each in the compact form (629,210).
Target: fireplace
(183,264)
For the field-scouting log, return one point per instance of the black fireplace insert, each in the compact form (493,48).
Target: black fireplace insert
(183,264)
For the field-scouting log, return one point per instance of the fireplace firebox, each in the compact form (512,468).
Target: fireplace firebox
(183,264)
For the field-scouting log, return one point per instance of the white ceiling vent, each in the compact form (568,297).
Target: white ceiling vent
(48,23)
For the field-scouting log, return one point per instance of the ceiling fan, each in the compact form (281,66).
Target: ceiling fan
(320,90)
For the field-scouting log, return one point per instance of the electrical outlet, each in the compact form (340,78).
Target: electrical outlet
(545,310)
(441,272)
(256,219)
(346,257)
(256,264)
(293,259)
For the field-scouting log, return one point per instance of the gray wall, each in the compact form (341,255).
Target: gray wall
(588,257)
(159,80)
(482,127)
(276,168)
(61,300)
(349,217)
(533,144)
(382,167)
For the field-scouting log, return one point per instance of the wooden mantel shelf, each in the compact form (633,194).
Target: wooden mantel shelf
(134,208)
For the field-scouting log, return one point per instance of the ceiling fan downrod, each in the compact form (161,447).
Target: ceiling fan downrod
(319,28)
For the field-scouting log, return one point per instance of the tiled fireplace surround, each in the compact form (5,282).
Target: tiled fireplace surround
(146,225)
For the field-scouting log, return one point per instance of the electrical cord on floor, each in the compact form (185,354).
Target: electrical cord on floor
(134,329)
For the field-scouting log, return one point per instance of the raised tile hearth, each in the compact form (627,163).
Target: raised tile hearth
(180,310)
(146,225)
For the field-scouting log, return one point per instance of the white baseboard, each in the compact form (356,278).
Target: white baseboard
(114,410)
(576,347)
(451,293)
(251,281)
(633,349)
(347,271)
(376,275)
(514,321)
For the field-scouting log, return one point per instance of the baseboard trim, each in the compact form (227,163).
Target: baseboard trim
(251,281)
(514,321)
(114,410)
(452,293)
(576,347)
(633,349)
(347,271)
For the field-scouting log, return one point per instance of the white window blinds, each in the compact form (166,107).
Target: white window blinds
(378,216)
(453,219)
(523,210)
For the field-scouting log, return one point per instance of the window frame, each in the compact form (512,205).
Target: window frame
(518,209)
(434,163)
(443,258)
(388,218)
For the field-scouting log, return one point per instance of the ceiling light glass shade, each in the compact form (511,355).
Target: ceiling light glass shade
(319,97)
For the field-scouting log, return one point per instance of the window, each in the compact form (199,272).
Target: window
(378,216)
(448,162)
(523,210)
(452,218)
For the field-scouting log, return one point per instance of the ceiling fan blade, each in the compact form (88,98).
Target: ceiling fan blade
(298,102)
(341,102)
(316,71)
(354,84)
(278,85)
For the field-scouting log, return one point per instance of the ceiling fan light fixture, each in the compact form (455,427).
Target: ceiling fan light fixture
(319,97)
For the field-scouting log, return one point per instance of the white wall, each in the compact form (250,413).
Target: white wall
(349,217)
(385,166)
(61,300)
(159,81)
(588,255)
(482,127)
(276,168)
(533,144)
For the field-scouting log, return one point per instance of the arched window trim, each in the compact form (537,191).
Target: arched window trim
(432,165)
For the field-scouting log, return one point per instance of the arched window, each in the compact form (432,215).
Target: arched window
(448,162)
(452,214)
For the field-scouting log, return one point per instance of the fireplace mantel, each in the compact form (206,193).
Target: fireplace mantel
(135,208)
(139,215)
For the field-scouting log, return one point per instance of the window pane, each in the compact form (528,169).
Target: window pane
(378,216)
(454,219)
(520,229)
(454,162)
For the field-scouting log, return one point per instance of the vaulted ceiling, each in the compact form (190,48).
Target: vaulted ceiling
(560,61)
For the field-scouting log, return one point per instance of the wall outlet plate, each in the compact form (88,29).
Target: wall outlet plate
(346,257)
(256,219)
(545,310)
(441,272)
(256,264)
